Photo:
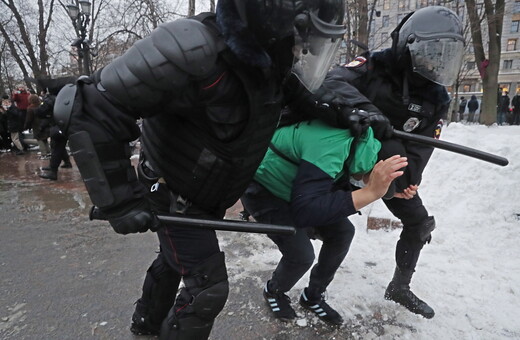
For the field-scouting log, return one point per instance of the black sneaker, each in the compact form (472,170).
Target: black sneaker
(321,309)
(280,305)
(405,297)
(140,323)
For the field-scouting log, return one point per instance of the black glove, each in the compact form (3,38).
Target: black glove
(324,98)
(357,121)
(381,125)
(137,218)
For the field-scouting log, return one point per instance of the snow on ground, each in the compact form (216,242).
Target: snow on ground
(470,273)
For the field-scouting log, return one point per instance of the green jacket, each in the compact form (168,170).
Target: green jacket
(314,142)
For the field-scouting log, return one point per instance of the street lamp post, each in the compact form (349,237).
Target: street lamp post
(80,19)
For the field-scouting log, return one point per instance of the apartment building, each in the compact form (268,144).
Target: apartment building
(388,13)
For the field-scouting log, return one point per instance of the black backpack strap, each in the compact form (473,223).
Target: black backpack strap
(281,154)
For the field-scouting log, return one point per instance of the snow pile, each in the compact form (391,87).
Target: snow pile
(469,274)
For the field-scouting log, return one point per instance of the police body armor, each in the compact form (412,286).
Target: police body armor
(210,169)
(206,142)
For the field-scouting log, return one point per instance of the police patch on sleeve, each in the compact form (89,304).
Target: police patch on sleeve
(359,61)
(438,128)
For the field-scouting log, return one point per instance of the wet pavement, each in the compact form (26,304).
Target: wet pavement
(65,277)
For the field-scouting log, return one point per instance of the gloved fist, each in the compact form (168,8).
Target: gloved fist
(357,121)
(136,219)
(381,125)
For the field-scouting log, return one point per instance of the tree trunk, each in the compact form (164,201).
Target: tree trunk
(363,22)
(191,8)
(488,67)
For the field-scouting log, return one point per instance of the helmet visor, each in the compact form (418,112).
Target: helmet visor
(438,60)
(315,50)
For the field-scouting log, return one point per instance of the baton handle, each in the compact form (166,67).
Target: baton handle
(463,150)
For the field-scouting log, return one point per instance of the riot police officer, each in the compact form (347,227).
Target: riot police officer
(405,83)
(209,90)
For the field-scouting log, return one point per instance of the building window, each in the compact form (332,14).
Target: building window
(516,9)
(511,45)
(342,59)
(400,17)
(372,27)
(384,37)
(514,26)
(508,64)
(403,5)
(386,21)
(466,88)
(421,3)
(386,4)
(470,65)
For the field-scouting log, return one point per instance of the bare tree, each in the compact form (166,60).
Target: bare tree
(191,8)
(25,33)
(487,66)
(464,71)
(360,25)
(6,64)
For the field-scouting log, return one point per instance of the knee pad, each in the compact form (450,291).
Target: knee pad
(420,232)
(210,301)
(199,302)
(206,288)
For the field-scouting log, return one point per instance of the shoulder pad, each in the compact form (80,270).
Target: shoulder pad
(189,45)
(63,106)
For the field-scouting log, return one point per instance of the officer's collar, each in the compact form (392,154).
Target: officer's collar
(240,40)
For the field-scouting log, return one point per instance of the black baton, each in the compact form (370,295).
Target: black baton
(463,150)
(225,225)
(228,225)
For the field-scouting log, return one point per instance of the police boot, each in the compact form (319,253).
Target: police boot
(141,323)
(66,165)
(398,290)
(49,174)
(204,295)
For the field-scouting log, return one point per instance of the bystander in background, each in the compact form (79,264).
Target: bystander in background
(14,123)
(33,122)
(472,108)
(462,108)
(515,103)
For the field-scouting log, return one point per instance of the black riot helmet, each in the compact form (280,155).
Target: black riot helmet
(316,25)
(433,37)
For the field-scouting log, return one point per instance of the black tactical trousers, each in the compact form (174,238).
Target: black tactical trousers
(413,215)
(58,149)
(187,253)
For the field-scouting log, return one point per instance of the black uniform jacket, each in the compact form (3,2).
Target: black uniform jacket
(374,82)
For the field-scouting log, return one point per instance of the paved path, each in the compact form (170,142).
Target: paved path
(64,277)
